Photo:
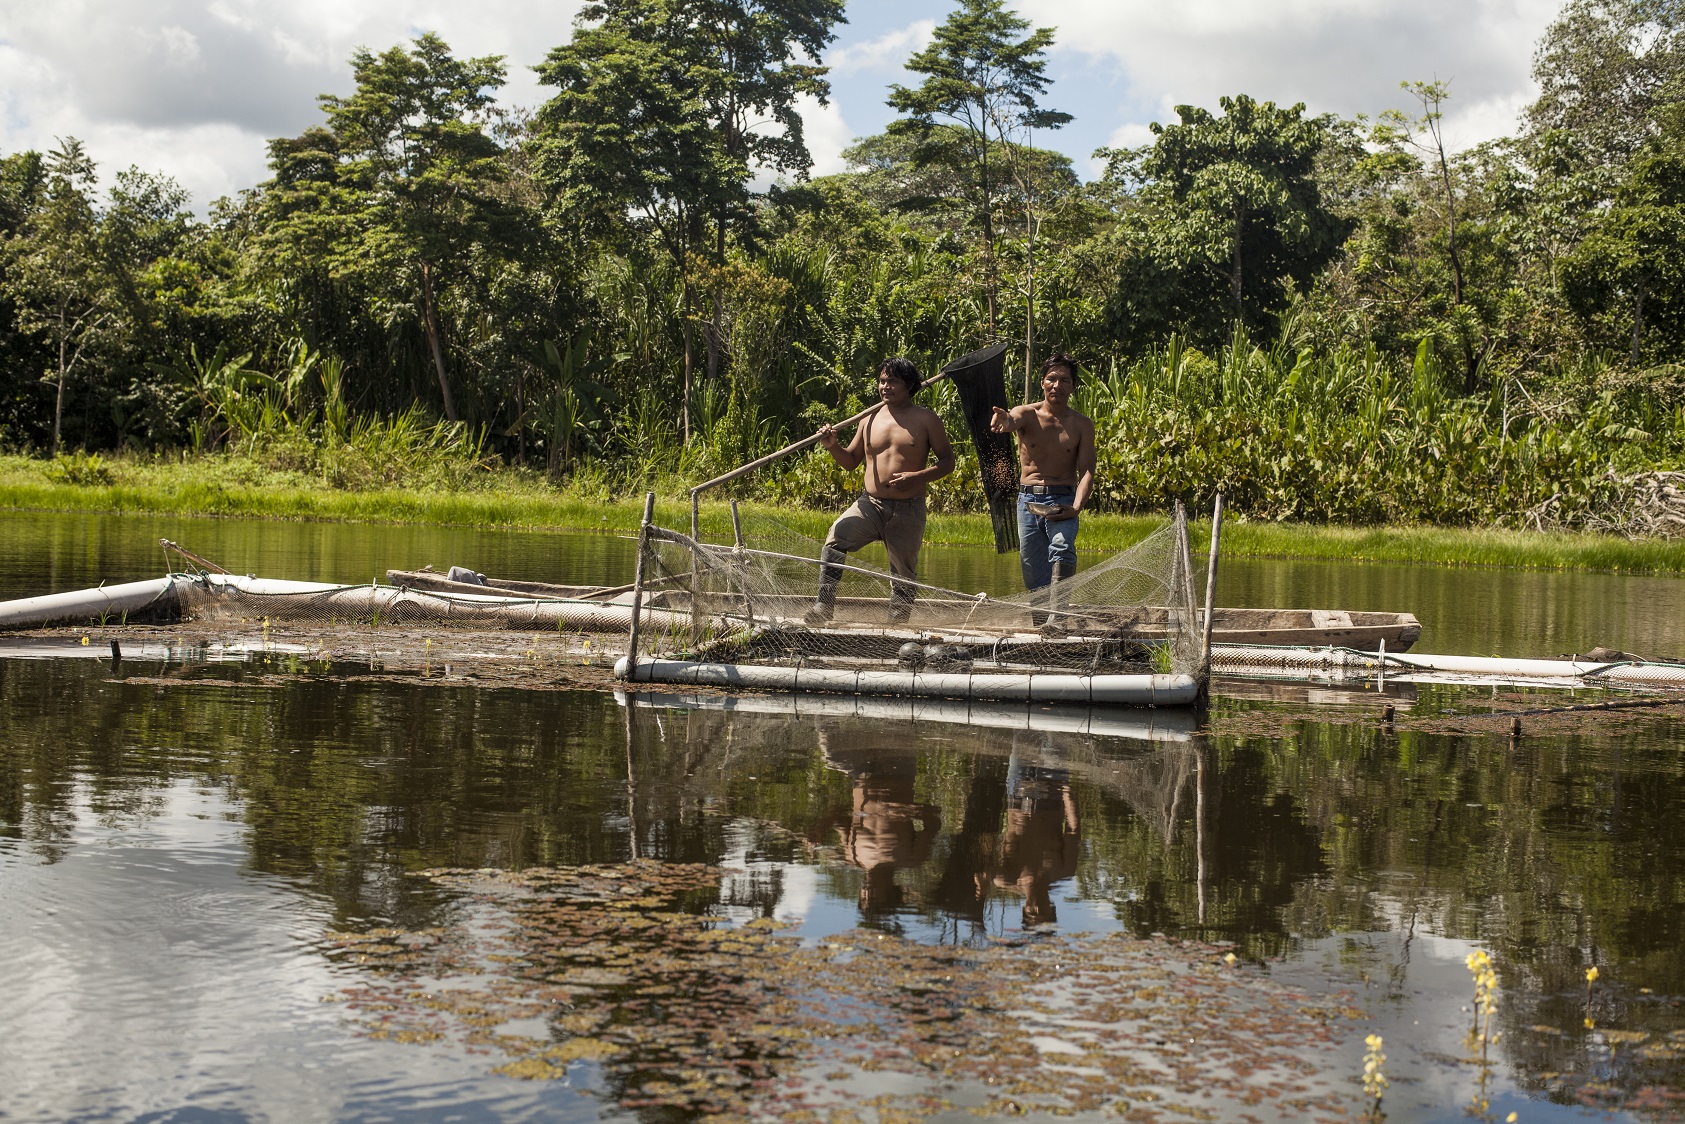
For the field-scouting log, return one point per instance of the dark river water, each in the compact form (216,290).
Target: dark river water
(266,891)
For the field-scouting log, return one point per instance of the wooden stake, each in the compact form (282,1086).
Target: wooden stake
(1211,582)
(638,587)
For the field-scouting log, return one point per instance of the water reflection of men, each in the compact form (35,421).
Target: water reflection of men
(1042,840)
(887,829)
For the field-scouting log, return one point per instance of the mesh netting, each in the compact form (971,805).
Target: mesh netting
(761,600)
(399,618)
(748,602)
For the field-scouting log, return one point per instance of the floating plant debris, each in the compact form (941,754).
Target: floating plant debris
(619,980)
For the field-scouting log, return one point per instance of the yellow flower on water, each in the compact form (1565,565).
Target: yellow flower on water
(1591,974)
(1512,1118)
(1374,1079)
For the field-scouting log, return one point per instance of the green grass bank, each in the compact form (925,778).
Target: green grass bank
(238,488)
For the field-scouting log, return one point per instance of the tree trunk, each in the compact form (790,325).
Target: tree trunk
(1451,229)
(989,283)
(684,404)
(1235,278)
(1030,291)
(1637,321)
(58,405)
(717,314)
(711,337)
(432,321)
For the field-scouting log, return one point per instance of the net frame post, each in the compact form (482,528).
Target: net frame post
(737,543)
(695,568)
(1182,586)
(1211,586)
(638,586)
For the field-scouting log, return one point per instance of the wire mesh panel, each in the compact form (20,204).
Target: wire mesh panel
(755,601)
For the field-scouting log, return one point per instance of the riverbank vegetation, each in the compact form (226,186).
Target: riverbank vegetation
(222,485)
(1331,320)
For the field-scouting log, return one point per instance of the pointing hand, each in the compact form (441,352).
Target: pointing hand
(1000,421)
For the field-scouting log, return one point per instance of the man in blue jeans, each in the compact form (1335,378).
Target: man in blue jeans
(1056,459)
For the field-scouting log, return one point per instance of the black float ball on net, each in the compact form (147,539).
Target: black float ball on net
(911,654)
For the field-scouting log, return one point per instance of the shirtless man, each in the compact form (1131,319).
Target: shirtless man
(1056,454)
(895,443)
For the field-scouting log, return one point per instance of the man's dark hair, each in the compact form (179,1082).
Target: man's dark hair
(1060,359)
(902,368)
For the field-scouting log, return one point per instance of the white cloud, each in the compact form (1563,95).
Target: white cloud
(195,89)
(1344,56)
(1130,135)
(887,52)
(827,134)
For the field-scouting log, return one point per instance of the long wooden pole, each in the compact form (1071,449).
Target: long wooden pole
(638,587)
(1211,582)
(805,443)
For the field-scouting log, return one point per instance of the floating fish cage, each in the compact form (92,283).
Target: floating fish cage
(748,615)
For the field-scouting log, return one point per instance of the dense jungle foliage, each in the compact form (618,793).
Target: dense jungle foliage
(637,281)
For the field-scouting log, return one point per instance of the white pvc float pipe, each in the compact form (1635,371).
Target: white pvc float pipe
(1171,726)
(82,604)
(1121,690)
(115,600)
(1490,667)
(580,615)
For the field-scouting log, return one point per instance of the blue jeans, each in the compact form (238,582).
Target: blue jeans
(1044,544)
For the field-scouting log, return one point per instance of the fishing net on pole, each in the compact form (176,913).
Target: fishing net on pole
(751,601)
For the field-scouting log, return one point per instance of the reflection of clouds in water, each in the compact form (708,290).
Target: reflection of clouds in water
(748,885)
(145,957)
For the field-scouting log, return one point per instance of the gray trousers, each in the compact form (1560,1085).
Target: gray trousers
(898,524)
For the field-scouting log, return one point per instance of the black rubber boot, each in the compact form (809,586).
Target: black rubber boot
(825,606)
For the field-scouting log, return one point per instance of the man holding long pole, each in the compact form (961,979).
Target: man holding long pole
(895,443)
(1056,476)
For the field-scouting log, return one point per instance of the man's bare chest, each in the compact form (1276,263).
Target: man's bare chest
(894,438)
(1052,436)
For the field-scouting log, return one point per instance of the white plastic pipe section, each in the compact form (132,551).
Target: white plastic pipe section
(585,616)
(113,601)
(1167,726)
(108,601)
(1237,659)
(1087,690)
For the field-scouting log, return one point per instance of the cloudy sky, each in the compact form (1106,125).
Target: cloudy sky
(194,87)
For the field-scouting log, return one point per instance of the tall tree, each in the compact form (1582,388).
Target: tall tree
(1426,133)
(1634,260)
(403,182)
(23,182)
(983,78)
(667,108)
(1228,213)
(756,47)
(56,274)
(1608,70)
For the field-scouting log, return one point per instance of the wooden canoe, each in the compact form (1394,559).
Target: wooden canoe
(1297,627)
